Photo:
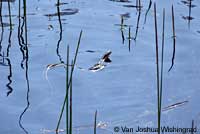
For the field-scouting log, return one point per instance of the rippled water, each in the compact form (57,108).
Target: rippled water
(124,92)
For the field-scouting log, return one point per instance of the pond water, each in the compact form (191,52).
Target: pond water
(124,92)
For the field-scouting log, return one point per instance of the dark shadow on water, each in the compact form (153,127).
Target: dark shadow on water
(190,6)
(2,28)
(125,1)
(61,3)
(149,7)
(26,65)
(20,35)
(138,23)
(8,85)
(122,29)
(10,30)
(27,94)
(174,40)
(60,34)
(68,11)
(122,35)
(8,0)
(137,5)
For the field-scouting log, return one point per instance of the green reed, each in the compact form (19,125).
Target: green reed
(67,91)
(157,69)
(159,74)
(70,106)
(95,122)
(162,60)
(69,86)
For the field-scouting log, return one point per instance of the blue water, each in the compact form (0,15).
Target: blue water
(124,92)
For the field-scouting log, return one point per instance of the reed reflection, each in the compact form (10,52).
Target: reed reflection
(20,35)
(2,28)
(60,34)
(23,39)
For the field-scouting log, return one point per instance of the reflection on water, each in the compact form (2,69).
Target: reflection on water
(68,11)
(10,89)
(8,0)
(138,21)
(126,1)
(2,28)
(174,40)
(60,35)
(23,43)
(149,7)
(8,50)
(189,4)
(7,57)
(27,93)
(99,37)
(20,35)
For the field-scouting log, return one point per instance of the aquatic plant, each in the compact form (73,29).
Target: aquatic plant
(159,73)
(95,122)
(157,69)
(69,86)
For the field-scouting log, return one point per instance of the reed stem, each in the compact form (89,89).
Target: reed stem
(95,122)
(162,61)
(70,107)
(157,69)
(70,80)
(129,38)
(67,91)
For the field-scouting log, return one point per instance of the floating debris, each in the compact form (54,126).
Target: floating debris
(44,131)
(132,6)
(121,1)
(90,51)
(61,3)
(106,56)
(185,2)
(100,65)
(68,11)
(50,66)
(178,104)
(188,3)
(187,17)
(102,125)
(97,67)
(50,27)
(125,15)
